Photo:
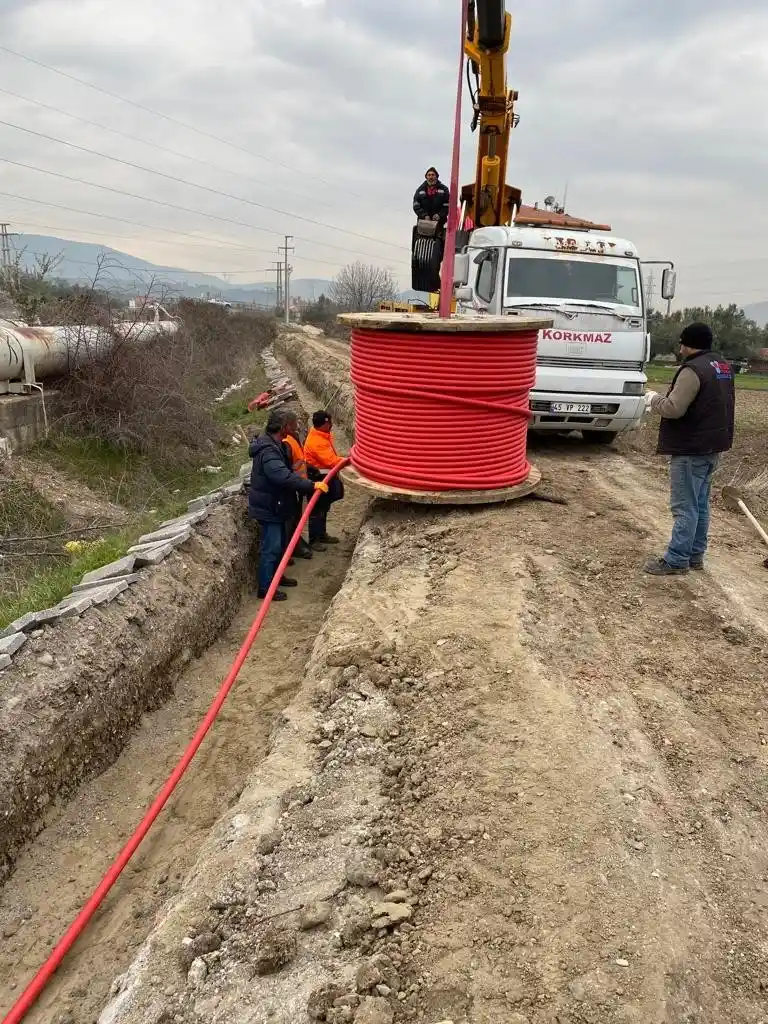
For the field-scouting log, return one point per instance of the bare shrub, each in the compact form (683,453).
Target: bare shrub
(155,394)
(360,287)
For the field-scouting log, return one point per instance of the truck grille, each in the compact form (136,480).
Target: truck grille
(589,364)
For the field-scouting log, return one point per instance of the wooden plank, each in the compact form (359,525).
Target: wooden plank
(430,322)
(481,497)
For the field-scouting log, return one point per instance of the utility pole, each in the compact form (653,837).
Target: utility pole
(5,251)
(650,288)
(286,249)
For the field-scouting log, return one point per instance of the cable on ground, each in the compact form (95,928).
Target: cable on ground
(29,996)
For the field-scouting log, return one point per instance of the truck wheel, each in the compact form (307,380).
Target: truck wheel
(599,436)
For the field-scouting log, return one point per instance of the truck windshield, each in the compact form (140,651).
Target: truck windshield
(546,276)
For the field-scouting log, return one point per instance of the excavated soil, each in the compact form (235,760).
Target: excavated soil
(55,875)
(79,687)
(523,783)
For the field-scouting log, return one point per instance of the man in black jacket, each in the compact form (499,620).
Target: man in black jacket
(272,497)
(697,420)
(432,199)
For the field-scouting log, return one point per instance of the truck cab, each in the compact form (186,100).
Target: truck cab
(590,362)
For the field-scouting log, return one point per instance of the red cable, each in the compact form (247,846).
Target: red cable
(26,1000)
(449,252)
(442,411)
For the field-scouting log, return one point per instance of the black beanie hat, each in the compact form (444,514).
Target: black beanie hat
(431,169)
(697,336)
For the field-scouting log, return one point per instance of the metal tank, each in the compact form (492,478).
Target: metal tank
(29,354)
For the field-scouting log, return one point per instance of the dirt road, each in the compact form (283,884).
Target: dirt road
(67,860)
(582,760)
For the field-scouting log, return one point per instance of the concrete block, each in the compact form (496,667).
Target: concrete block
(188,519)
(232,489)
(245,470)
(103,595)
(5,661)
(25,624)
(172,533)
(121,567)
(132,577)
(10,644)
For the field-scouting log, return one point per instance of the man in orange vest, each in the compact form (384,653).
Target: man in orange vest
(321,456)
(299,466)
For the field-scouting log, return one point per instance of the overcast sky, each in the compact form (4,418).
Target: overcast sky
(653,114)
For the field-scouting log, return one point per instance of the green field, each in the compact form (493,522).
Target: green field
(661,373)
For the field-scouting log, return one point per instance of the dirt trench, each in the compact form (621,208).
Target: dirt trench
(549,767)
(58,871)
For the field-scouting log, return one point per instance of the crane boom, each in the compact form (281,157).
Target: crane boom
(489,200)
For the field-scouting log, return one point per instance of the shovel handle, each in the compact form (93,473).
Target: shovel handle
(761,532)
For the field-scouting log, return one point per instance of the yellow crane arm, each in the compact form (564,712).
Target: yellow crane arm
(490,201)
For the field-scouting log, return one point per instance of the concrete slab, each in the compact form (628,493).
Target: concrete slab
(73,605)
(10,644)
(5,661)
(173,533)
(154,554)
(103,595)
(121,567)
(132,577)
(204,501)
(24,624)
(188,519)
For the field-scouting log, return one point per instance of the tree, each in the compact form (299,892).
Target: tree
(736,336)
(360,287)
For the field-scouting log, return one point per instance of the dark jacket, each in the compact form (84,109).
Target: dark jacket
(274,485)
(706,428)
(431,199)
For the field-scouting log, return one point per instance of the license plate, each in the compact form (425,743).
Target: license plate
(570,407)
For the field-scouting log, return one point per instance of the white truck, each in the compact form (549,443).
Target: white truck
(590,362)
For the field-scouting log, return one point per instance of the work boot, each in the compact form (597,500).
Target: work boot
(327,539)
(279,595)
(303,551)
(660,567)
(317,545)
(697,564)
(288,581)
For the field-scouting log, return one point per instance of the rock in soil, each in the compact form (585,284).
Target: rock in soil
(374,1011)
(277,948)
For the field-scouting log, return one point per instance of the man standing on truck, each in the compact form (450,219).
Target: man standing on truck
(697,419)
(432,198)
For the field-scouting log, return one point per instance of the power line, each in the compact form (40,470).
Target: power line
(173,120)
(194,184)
(175,206)
(156,145)
(152,227)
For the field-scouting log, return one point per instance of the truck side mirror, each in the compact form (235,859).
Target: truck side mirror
(461,269)
(668,284)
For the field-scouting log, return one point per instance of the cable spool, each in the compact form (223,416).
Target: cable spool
(442,405)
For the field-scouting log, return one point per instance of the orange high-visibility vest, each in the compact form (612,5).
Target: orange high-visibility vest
(298,462)
(319,451)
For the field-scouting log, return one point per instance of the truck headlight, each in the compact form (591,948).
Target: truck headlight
(634,387)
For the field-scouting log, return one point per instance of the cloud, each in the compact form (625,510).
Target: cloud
(652,114)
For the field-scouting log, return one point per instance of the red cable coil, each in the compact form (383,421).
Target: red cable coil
(442,411)
(29,996)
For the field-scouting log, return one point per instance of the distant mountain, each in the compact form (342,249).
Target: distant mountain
(758,312)
(125,273)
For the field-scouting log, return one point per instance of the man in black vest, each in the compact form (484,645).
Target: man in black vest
(697,416)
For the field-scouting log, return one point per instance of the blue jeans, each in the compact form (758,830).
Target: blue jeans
(271,551)
(690,478)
